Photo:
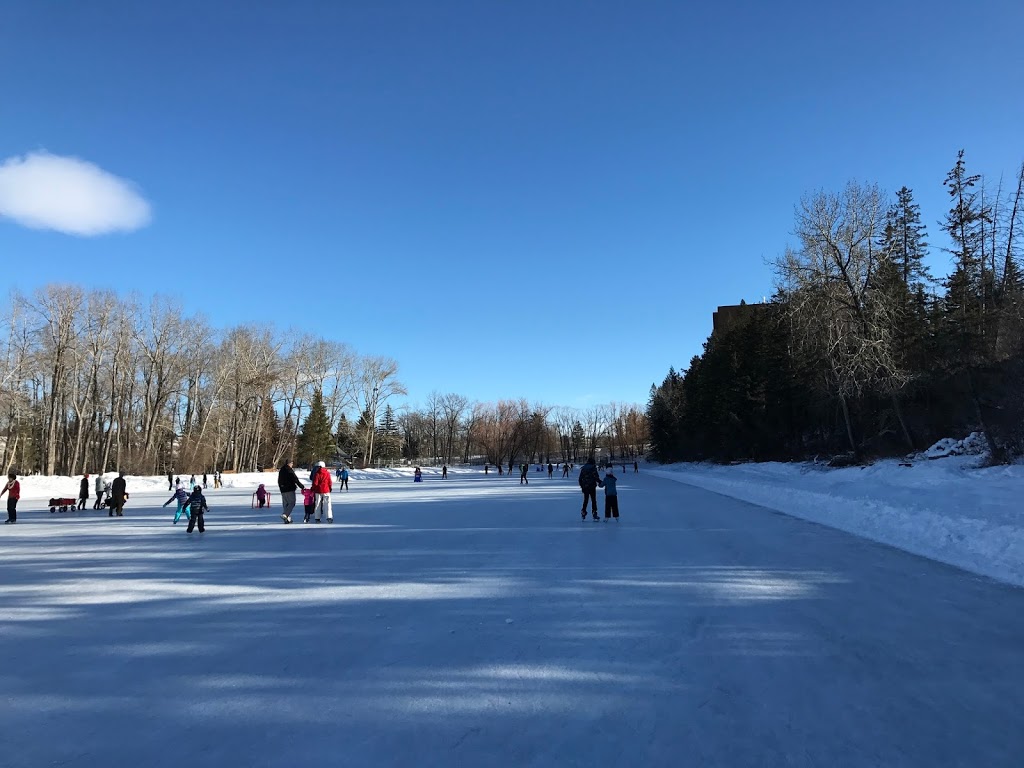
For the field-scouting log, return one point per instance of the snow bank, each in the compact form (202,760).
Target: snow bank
(40,488)
(946,509)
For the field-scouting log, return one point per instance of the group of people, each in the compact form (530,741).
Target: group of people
(193,504)
(590,480)
(174,483)
(316,499)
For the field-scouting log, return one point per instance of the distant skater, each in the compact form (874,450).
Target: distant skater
(611,496)
(523,470)
(636,467)
(589,480)
(344,479)
(565,469)
(551,469)
(444,471)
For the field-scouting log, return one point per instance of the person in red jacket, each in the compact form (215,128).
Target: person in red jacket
(13,487)
(322,489)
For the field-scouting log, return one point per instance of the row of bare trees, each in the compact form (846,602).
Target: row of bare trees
(450,428)
(92,381)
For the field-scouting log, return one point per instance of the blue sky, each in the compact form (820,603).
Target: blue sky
(513,199)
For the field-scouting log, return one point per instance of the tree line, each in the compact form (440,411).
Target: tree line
(861,351)
(93,381)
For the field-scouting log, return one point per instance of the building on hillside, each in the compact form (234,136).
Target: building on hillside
(734,315)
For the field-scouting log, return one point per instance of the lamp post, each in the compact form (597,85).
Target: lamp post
(373,423)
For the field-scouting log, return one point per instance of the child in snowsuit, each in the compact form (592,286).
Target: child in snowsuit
(182,497)
(196,508)
(309,503)
(261,496)
(611,496)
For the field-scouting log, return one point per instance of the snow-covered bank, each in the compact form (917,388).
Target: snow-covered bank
(944,509)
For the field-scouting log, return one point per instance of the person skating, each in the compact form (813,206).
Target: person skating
(13,491)
(308,503)
(287,482)
(83,491)
(444,471)
(322,488)
(551,470)
(589,480)
(181,496)
(170,481)
(196,508)
(611,496)
(344,479)
(262,496)
(205,483)
(636,467)
(524,470)
(565,469)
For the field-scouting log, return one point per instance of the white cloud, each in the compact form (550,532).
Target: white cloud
(45,191)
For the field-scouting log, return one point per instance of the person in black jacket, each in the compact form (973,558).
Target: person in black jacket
(287,482)
(83,492)
(118,496)
(196,508)
(589,480)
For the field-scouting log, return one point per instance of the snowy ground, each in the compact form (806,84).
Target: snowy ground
(946,509)
(475,622)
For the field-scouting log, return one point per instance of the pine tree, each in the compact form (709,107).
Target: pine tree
(389,437)
(966,286)
(315,440)
(344,436)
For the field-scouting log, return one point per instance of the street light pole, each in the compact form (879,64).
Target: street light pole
(373,424)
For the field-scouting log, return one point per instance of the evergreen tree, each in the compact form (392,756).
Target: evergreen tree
(315,440)
(344,436)
(388,443)
(966,286)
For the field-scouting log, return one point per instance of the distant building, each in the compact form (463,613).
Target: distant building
(733,315)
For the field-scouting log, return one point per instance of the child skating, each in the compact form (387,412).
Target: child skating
(611,496)
(182,497)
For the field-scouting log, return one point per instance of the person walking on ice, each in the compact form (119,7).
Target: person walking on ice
(322,488)
(13,491)
(99,492)
(611,496)
(589,480)
(83,491)
(287,482)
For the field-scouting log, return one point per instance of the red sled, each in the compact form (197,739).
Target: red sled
(62,504)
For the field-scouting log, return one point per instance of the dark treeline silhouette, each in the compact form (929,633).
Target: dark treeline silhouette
(861,352)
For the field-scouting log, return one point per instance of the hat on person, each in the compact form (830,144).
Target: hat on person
(320,464)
